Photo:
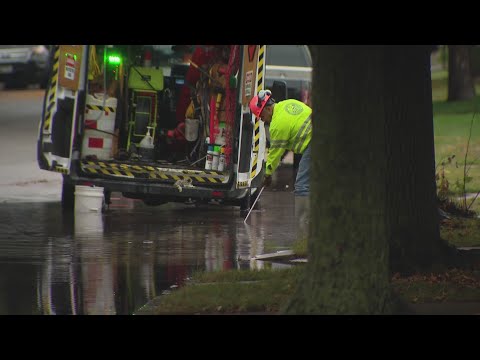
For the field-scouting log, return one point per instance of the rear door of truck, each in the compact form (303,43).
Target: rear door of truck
(64,96)
(251,154)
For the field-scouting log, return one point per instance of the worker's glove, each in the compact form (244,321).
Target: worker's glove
(267,180)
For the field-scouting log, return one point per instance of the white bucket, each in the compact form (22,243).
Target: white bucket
(191,129)
(88,198)
(99,143)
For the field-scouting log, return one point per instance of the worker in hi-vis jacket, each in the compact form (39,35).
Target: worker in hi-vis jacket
(290,129)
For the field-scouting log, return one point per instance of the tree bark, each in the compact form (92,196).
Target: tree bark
(460,80)
(411,201)
(347,270)
(373,196)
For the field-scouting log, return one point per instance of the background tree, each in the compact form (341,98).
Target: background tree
(372,112)
(411,197)
(460,80)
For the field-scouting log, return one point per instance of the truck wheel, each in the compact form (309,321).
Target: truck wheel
(107,199)
(154,202)
(43,83)
(16,84)
(245,204)
(68,196)
(254,197)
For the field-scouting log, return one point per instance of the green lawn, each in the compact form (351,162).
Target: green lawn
(461,231)
(452,121)
(233,291)
(268,291)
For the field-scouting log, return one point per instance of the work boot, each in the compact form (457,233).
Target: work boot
(302,216)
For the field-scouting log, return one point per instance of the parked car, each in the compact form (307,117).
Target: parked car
(21,65)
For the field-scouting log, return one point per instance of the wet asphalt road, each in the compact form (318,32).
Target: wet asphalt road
(112,263)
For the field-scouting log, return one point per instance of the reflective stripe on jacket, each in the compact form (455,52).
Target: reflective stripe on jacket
(290,129)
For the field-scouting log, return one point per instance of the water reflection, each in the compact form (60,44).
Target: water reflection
(114,263)
(97,271)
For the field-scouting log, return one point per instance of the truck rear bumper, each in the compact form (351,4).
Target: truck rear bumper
(169,192)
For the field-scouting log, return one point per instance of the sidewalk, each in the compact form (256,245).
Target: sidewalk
(448,308)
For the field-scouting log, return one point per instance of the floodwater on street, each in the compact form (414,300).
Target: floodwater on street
(53,262)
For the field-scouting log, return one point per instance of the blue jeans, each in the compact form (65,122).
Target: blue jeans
(302,182)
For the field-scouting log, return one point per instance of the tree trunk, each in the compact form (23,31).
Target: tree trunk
(372,183)
(411,200)
(460,80)
(347,270)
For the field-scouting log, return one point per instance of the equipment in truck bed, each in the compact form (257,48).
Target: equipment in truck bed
(144,84)
(193,115)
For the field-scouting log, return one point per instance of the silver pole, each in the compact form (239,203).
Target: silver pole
(251,208)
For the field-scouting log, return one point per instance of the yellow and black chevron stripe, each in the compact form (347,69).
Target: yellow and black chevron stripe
(260,67)
(253,172)
(51,98)
(256,129)
(136,171)
(60,169)
(254,165)
(100,108)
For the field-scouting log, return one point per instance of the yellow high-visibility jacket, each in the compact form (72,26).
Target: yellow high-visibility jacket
(290,129)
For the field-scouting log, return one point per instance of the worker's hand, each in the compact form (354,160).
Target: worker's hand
(267,180)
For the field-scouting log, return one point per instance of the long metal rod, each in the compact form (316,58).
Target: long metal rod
(204,72)
(251,208)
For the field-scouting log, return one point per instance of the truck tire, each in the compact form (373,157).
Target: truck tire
(68,196)
(107,194)
(43,83)
(245,203)
(254,197)
(16,84)
(248,200)
(154,202)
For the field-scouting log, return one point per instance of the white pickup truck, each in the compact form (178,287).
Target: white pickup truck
(291,64)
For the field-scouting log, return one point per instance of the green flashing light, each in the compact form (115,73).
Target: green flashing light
(114,60)
(68,55)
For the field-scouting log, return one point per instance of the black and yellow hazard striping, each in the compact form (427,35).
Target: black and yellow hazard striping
(260,68)
(254,165)
(100,108)
(139,171)
(256,129)
(256,138)
(60,169)
(50,99)
(256,147)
